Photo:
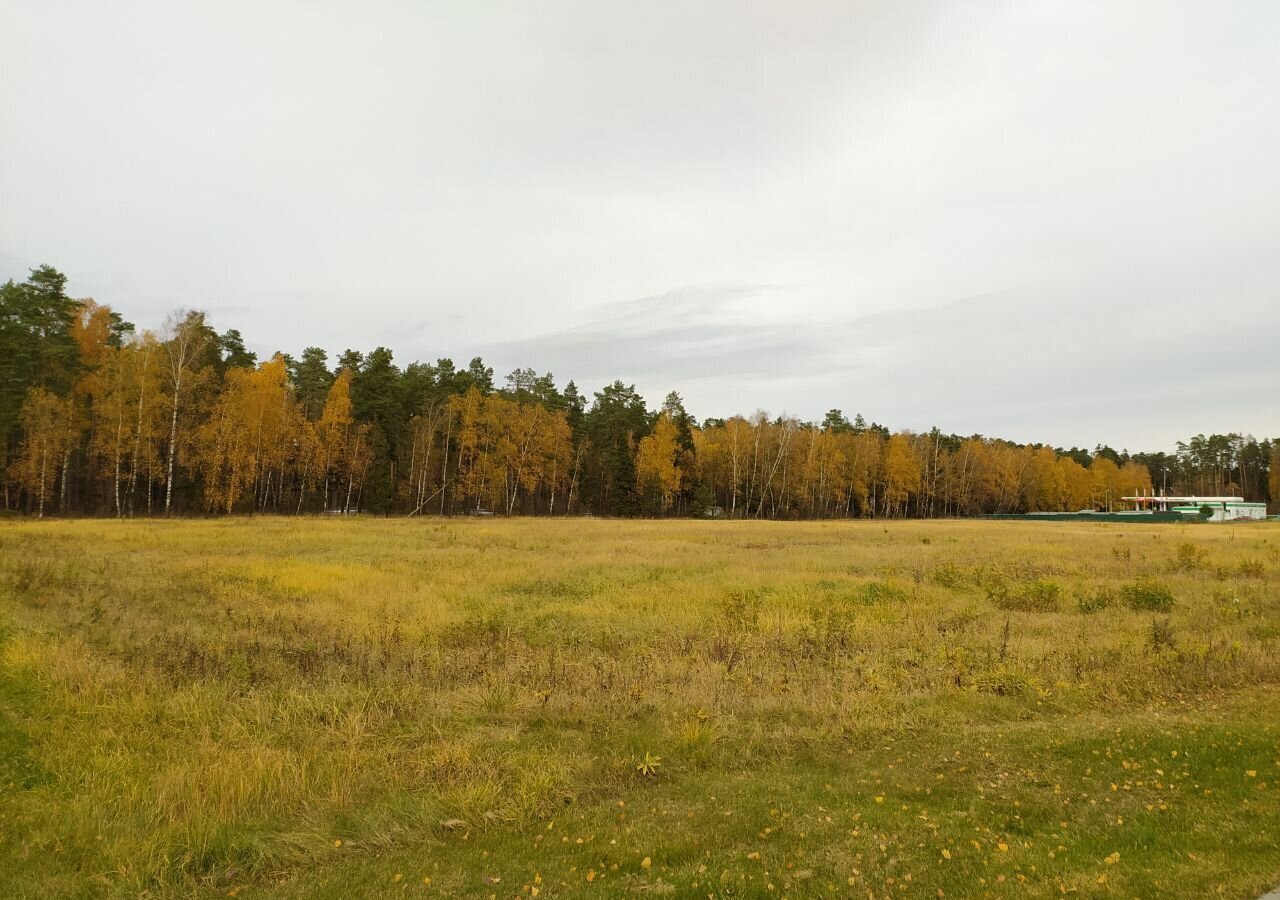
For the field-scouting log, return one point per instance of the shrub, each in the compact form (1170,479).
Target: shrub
(1148,594)
(950,575)
(1251,569)
(1028,596)
(1190,558)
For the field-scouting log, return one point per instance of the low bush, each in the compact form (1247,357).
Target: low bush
(1251,568)
(950,575)
(1027,596)
(1190,558)
(1148,595)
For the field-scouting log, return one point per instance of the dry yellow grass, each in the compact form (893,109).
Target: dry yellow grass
(210,705)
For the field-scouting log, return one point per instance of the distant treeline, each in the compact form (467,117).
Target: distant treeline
(97,418)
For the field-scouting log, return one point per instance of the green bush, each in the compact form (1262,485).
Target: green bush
(1148,594)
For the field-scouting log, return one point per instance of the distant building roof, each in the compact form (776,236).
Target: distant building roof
(1170,499)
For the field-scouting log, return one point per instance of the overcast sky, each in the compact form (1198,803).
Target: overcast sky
(1042,221)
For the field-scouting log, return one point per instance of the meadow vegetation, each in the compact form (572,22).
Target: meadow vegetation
(563,708)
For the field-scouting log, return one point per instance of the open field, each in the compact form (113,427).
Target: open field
(567,708)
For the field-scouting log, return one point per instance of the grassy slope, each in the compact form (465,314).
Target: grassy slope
(297,708)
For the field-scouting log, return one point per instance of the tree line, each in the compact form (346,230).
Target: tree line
(100,418)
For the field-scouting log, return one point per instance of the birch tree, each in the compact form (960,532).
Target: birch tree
(186,338)
(48,433)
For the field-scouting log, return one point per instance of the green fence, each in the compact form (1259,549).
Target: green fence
(1126,517)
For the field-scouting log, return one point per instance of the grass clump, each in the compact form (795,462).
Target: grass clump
(1250,568)
(1161,637)
(1148,595)
(1095,601)
(952,576)
(880,592)
(1190,558)
(1037,595)
(1004,679)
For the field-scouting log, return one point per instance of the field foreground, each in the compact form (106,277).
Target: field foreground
(306,708)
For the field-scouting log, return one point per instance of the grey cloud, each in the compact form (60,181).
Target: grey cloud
(1029,365)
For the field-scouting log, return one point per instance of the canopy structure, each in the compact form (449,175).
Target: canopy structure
(1221,509)
(1161,502)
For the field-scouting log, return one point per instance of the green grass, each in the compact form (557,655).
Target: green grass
(313,708)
